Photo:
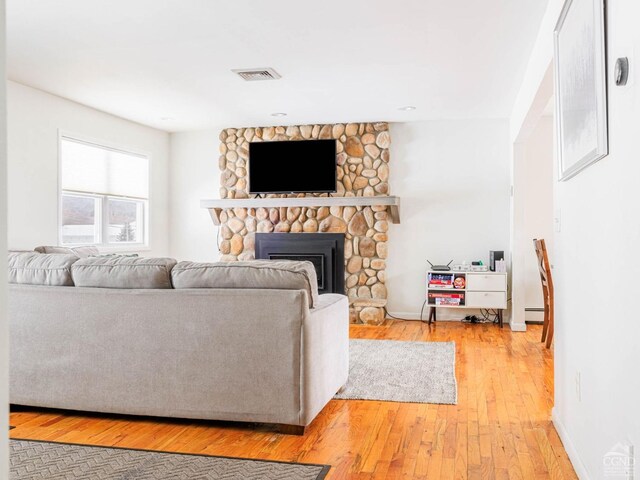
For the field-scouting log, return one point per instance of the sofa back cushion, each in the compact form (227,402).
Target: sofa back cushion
(82,252)
(31,268)
(123,272)
(266,274)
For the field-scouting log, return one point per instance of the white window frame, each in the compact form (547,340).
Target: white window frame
(102,223)
(98,221)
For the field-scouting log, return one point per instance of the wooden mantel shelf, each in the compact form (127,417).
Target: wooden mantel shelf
(215,205)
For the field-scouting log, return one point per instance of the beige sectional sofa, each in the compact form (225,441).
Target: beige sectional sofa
(248,341)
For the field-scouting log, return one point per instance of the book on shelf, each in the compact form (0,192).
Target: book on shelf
(451,302)
(446,295)
(440,286)
(440,280)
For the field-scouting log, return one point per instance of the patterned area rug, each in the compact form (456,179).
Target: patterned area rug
(414,372)
(31,460)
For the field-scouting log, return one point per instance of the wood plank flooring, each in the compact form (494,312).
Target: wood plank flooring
(500,428)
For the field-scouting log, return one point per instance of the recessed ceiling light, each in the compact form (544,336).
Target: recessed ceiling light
(279,114)
(408,108)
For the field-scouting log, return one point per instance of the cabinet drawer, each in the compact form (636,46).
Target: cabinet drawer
(486,300)
(486,283)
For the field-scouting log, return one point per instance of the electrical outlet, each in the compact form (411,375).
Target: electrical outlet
(578,387)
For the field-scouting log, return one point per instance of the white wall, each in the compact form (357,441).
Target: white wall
(453,180)
(4,330)
(597,329)
(194,176)
(528,102)
(34,119)
(534,181)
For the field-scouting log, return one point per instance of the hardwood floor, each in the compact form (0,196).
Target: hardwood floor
(500,428)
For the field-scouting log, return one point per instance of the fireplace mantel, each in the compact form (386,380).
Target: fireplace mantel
(215,206)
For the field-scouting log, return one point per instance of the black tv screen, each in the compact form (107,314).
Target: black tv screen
(302,166)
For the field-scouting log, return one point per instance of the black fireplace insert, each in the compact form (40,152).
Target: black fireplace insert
(324,250)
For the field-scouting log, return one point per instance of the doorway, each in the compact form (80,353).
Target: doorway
(532,204)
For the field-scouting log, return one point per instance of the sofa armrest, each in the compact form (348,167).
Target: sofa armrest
(325,354)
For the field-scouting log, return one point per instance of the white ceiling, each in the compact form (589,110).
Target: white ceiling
(340,60)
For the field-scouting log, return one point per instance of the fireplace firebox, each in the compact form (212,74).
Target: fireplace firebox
(324,250)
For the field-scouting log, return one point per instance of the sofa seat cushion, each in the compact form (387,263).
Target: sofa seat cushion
(262,274)
(82,252)
(123,272)
(31,268)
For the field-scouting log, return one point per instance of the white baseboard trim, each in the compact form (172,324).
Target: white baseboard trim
(444,314)
(425,316)
(578,466)
(410,315)
(453,315)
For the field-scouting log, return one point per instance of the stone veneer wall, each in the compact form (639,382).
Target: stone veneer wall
(363,170)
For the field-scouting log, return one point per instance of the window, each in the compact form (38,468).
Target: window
(104,195)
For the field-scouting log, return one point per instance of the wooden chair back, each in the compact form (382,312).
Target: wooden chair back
(547,289)
(543,263)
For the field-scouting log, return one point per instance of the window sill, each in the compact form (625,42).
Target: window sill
(114,248)
(123,248)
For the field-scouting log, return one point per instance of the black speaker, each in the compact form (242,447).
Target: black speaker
(493,256)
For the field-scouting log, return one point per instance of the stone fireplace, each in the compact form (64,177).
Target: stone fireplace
(362,171)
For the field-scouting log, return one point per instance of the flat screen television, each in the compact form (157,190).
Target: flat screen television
(298,166)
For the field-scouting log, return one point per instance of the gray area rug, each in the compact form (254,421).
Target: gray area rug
(31,460)
(414,372)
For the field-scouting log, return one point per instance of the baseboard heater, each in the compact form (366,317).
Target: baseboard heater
(534,322)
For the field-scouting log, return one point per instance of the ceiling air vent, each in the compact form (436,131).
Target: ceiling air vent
(255,74)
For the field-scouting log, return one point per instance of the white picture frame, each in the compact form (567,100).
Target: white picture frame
(581,86)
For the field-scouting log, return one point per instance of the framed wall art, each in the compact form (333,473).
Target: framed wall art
(581,86)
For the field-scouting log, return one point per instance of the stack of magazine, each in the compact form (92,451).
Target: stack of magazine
(440,280)
(446,298)
(444,281)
